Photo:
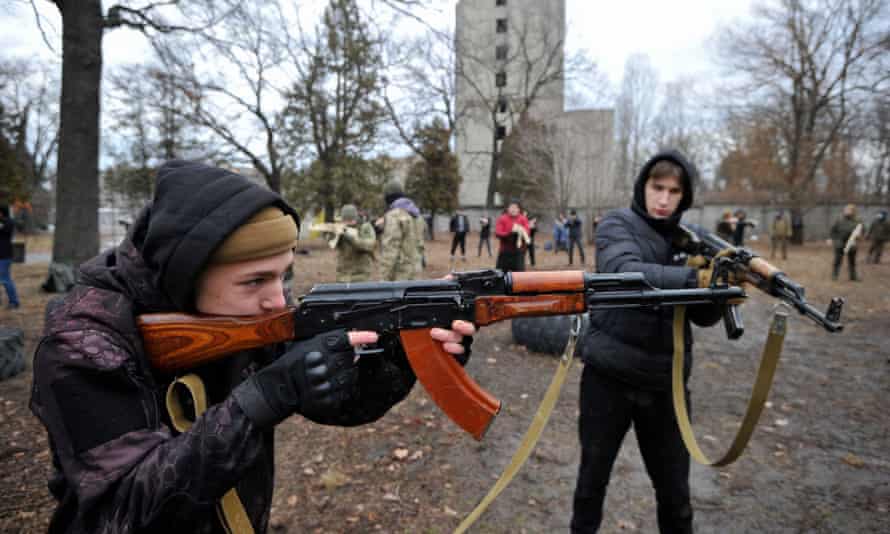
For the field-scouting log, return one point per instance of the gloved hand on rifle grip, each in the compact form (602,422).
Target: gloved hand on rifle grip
(315,378)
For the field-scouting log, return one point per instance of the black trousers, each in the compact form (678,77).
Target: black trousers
(608,409)
(839,259)
(460,238)
(531,253)
(487,241)
(511,261)
(580,243)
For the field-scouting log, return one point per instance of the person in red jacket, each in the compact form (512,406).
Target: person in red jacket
(512,231)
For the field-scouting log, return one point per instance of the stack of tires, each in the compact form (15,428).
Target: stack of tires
(547,335)
(12,352)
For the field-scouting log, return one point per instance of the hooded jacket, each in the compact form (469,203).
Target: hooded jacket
(118,466)
(635,346)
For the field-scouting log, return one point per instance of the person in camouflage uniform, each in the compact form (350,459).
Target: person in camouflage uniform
(878,234)
(212,242)
(841,231)
(400,239)
(780,232)
(355,248)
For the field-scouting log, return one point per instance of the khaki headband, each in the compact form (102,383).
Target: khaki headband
(270,231)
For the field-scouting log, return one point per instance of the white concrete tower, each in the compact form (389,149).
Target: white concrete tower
(509,52)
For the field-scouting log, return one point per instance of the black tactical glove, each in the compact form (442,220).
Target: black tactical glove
(315,378)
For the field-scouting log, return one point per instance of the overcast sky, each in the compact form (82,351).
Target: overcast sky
(673,34)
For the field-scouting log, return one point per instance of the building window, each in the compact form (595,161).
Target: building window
(500,132)
(501,25)
(502,104)
(500,79)
(500,52)
(500,2)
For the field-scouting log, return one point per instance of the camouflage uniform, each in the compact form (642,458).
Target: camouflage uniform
(399,256)
(355,254)
(421,243)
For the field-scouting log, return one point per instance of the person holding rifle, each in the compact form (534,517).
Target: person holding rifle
(845,235)
(356,246)
(131,452)
(512,229)
(627,373)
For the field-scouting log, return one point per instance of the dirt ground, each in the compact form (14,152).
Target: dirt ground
(817,463)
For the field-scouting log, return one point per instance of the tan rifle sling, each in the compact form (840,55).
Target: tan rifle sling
(230,510)
(768,362)
(535,429)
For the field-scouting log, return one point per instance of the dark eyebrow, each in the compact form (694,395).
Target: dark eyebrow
(262,274)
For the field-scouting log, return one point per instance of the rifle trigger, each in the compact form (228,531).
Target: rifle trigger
(366,350)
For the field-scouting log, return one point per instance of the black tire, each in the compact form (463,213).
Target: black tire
(12,352)
(547,335)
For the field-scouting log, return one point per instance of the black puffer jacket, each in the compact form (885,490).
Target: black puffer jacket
(636,346)
(118,465)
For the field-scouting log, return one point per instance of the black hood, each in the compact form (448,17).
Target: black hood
(690,176)
(194,209)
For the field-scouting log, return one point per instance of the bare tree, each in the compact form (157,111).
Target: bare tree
(877,148)
(29,96)
(801,67)
(233,79)
(420,86)
(635,111)
(77,191)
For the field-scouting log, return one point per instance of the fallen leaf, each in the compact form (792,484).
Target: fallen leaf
(852,459)
(400,454)
(333,479)
(449,511)
(292,501)
(392,497)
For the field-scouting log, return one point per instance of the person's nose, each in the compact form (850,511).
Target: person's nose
(274,300)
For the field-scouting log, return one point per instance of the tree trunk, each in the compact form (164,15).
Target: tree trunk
(493,171)
(76,236)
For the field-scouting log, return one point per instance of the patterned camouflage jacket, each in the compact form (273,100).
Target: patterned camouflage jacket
(421,244)
(355,254)
(398,259)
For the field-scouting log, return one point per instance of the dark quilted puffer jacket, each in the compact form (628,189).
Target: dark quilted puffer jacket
(635,346)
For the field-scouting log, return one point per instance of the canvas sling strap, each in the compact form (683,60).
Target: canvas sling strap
(230,510)
(767,369)
(534,431)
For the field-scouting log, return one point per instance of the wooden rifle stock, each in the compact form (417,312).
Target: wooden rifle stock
(177,341)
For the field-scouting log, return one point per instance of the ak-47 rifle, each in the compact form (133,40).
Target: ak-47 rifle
(334,229)
(745,264)
(177,342)
(854,237)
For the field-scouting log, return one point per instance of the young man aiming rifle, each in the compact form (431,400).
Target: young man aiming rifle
(627,373)
(212,242)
